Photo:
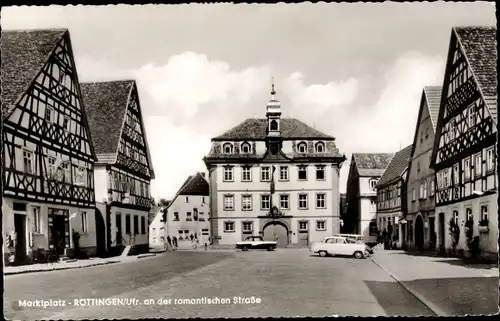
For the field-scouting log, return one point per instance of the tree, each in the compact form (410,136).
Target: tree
(163,204)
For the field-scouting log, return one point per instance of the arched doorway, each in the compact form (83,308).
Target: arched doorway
(276,231)
(100,228)
(419,233)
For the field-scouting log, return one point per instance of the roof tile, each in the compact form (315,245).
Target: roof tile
(433,99)
(479,45)
(195,185)
(255,129)
(106,106)
(397,166)
(23,54)
(372,161)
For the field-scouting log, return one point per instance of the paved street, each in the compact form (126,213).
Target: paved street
(449,286)
(288,282)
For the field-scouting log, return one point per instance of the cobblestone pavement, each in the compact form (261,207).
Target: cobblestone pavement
(287,282)
(447,285)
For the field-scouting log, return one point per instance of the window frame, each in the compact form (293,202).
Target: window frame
(225,203)
(284,198)
(37,219)
(300,228)
(299,145)
(232,223)
(243,145)
(245,197)
(268,201)
(302,168)
(230,146)
(246,170)
(287,178)
(244,230)
(306,201)
(321,169)
(318,228)
(318,199)
(323,147)
(31,154)
(371,225)
(490,161)
(228,170)
(263,170)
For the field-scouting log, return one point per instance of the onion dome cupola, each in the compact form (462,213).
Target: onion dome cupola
(273,115)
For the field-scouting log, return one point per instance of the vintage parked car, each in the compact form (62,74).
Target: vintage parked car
(256,242)
(338,245)
(356,238)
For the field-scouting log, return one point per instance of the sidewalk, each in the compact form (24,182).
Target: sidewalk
(448,286)
(9,270)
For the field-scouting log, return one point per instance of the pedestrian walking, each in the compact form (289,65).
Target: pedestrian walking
(169,243)
(175,242)
(192,237)
(206,246)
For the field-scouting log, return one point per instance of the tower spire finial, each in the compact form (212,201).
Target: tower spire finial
(273,92)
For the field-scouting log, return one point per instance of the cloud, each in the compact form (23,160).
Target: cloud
(189,81)
(390,123)
(176,152)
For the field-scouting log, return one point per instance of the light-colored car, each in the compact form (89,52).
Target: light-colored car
(339,245)
(256,242)
(356,238)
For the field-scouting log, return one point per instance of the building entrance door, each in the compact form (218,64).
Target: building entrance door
(20,229)
(441,230)
(419,233)
(58,234)
(118,230)
(276,232)
(432,231)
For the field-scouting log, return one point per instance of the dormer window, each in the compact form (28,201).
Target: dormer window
(245,148)
(373,183)
(227,148)
(302,147)
(320,147)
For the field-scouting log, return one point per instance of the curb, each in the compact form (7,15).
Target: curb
(59,269)
(140,256)
(436,310)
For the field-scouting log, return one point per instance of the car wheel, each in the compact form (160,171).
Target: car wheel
(322,253)
(270,248)
(244,249)
(358,255)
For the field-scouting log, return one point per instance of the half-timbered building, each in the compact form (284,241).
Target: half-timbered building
(464,153)
(276,177)
(391,197)
(124,169)
(365,171)
(420,183)
(47,154)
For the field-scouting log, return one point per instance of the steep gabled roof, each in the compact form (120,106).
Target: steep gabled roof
(255,129)
(106,106)
(432,95)
(23,55)
(397,166)
(480,49)
(371,164)
(196,185)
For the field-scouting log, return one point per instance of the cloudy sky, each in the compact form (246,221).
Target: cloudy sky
(354,71)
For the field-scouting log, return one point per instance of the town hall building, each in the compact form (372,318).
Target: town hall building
(275,177)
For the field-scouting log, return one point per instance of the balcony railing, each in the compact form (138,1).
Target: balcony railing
(127,198)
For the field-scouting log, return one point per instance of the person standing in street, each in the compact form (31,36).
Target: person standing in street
(175,242)
(169,243)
